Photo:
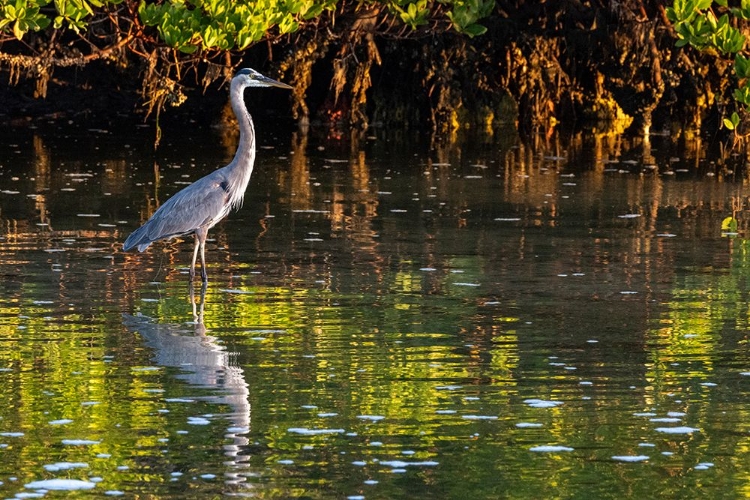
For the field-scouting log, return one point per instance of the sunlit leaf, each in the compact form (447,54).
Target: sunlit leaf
(729,224)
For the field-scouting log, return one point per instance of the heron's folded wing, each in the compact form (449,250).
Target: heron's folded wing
(202,203)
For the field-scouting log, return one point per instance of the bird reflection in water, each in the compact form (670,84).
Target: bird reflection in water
(204,364)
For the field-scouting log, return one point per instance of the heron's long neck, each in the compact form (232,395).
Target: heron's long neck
(242,166)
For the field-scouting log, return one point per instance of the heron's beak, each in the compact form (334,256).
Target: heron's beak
(270,82)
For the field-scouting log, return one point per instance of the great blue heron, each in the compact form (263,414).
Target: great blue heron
(198,207)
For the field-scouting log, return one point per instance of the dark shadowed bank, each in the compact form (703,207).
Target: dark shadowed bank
(608,66)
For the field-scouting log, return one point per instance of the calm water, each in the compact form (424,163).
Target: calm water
(382,322)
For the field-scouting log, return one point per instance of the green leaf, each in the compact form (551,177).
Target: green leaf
(288,25)
(475,30)
(729,224)
(728,124)
(18,30)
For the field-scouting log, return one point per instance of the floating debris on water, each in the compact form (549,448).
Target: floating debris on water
(528,425)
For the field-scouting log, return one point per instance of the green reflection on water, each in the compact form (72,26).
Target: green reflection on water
(387,325)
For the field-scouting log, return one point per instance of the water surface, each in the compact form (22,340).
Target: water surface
(382,321)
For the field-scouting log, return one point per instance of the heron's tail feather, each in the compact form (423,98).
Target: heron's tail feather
(138,238)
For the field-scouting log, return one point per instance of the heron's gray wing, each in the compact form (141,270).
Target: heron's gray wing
(200,204)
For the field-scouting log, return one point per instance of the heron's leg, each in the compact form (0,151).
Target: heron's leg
(201,235)
(195,256)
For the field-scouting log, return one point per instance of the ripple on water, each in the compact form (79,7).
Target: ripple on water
(400,464)
(313,432)
(238,430)
(60,485)
(542,403)
(630,458)
(79,442)
(62,421)
(65,466)
(372,418)
(550,449)
(198,421)
(676,430)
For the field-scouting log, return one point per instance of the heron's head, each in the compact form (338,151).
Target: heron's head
(250,78)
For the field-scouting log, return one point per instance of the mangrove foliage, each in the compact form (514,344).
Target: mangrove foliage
(448,65)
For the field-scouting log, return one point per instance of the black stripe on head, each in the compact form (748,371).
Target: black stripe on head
(246,72)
